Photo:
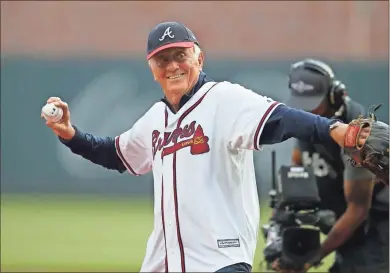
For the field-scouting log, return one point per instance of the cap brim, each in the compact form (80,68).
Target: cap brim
(179,44)
(306,103)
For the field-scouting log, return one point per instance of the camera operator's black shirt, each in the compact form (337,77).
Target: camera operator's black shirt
(331,168)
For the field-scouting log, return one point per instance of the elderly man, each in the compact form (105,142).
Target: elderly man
(199,142)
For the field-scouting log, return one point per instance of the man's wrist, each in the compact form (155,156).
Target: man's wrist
(73,135)
(337,131)
(334,124)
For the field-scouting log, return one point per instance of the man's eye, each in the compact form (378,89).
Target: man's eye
(161,61)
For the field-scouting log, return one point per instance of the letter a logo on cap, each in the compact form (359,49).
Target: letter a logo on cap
(168,33)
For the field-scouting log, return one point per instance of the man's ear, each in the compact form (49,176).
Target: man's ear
(154,76)
(201,60)
(150,67)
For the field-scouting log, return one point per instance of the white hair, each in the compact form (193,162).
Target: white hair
(197,52)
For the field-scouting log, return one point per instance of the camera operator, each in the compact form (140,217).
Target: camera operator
(361,233)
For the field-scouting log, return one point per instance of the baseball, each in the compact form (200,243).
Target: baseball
(52,113)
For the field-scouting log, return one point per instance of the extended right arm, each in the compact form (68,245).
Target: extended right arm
(98,150)
(125,152)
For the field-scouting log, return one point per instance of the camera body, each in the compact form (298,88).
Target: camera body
(293,231)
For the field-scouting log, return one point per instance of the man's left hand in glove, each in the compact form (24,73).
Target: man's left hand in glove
(373,153)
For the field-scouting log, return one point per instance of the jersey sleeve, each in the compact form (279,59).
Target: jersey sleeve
(131,147)
(355,173)
(245,114)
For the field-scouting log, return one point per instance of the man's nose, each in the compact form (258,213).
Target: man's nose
(172,65)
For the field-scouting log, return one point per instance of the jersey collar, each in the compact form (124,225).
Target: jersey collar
(201,81)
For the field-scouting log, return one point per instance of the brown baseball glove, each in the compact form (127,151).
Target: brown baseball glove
(374,153)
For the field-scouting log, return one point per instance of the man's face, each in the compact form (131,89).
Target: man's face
(323,109)
(176,70)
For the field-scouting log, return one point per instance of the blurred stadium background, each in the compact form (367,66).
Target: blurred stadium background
(61,213)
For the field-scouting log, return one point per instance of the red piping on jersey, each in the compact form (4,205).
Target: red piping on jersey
(189,110)
(183,263)
(123,158)
(162,204)
(261,123)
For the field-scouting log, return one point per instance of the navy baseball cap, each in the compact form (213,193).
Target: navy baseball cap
(169,34)
(308,88)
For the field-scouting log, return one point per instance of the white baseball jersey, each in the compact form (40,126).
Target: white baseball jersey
(206,213)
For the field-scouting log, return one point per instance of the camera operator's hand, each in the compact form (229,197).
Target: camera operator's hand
(279,266)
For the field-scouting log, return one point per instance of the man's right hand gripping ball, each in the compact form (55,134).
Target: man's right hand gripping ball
(63,128)
(374,153)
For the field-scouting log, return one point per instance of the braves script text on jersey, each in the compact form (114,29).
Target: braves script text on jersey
(206,203)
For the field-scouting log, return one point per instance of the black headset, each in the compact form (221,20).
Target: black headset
(337,91)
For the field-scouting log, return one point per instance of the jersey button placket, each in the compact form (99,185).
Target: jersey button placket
(169,213)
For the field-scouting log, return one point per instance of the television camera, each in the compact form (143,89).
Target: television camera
(293,231)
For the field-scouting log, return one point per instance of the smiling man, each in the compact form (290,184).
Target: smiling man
(198,141)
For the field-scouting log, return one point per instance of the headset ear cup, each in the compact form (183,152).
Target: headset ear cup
(336,94)
(331,97)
